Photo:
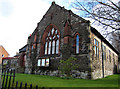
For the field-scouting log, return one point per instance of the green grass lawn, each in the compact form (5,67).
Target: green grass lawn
(49,81)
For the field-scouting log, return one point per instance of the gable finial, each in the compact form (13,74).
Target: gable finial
(53,2)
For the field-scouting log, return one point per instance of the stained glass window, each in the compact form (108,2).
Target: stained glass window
(43,62)
(39,62)
(77,44)
(46,47)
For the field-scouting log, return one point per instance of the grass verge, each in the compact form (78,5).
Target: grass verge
(51,81)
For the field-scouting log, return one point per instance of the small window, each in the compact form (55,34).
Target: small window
(39,62)
(113,57)
(43,62)
(77,43)
(109,55)
(96,48)
(2,55)
(47,62)
(104,52)
(5,62)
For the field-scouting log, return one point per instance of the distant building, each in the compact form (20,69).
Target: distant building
(3,53)
(17,62)
(10,62)
(22,58)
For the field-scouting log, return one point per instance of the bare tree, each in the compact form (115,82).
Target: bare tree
(105,13)
(116,40)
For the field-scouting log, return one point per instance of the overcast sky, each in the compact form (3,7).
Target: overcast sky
(19,18)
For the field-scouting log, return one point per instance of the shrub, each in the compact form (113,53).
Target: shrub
(66,66)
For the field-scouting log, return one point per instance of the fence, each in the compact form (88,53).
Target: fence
(8,81)
(8,78)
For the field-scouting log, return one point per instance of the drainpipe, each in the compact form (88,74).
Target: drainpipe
(102,59)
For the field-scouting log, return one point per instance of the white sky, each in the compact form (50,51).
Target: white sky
(19,18)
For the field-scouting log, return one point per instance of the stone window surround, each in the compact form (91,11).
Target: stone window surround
(96,48)
(77,34)
(45,34)
(52,42)
(46,62)
(104,52)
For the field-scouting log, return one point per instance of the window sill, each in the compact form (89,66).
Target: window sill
(44,66)
(52,55)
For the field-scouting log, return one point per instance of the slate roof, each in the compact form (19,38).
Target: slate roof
(94,31)
(23,49)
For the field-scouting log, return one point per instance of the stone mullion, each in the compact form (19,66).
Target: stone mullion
(47,47)
(75,45)
(51,46)
(40,62)
(55,47)
(45,62)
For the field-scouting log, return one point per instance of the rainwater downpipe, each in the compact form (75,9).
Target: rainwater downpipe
(102,59)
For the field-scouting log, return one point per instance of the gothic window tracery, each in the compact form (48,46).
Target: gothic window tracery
(52,42)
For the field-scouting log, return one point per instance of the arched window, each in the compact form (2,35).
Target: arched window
(52,42)
(77,43)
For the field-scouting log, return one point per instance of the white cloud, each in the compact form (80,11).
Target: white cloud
(19,18)
(16,27)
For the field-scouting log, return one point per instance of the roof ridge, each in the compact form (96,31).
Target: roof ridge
(70,11)
(98,34)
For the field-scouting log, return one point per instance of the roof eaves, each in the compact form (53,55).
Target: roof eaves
(93,30)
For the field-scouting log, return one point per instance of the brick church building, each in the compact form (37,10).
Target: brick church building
(62,34)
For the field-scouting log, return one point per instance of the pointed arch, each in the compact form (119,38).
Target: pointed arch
(50,41)
(77,43)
